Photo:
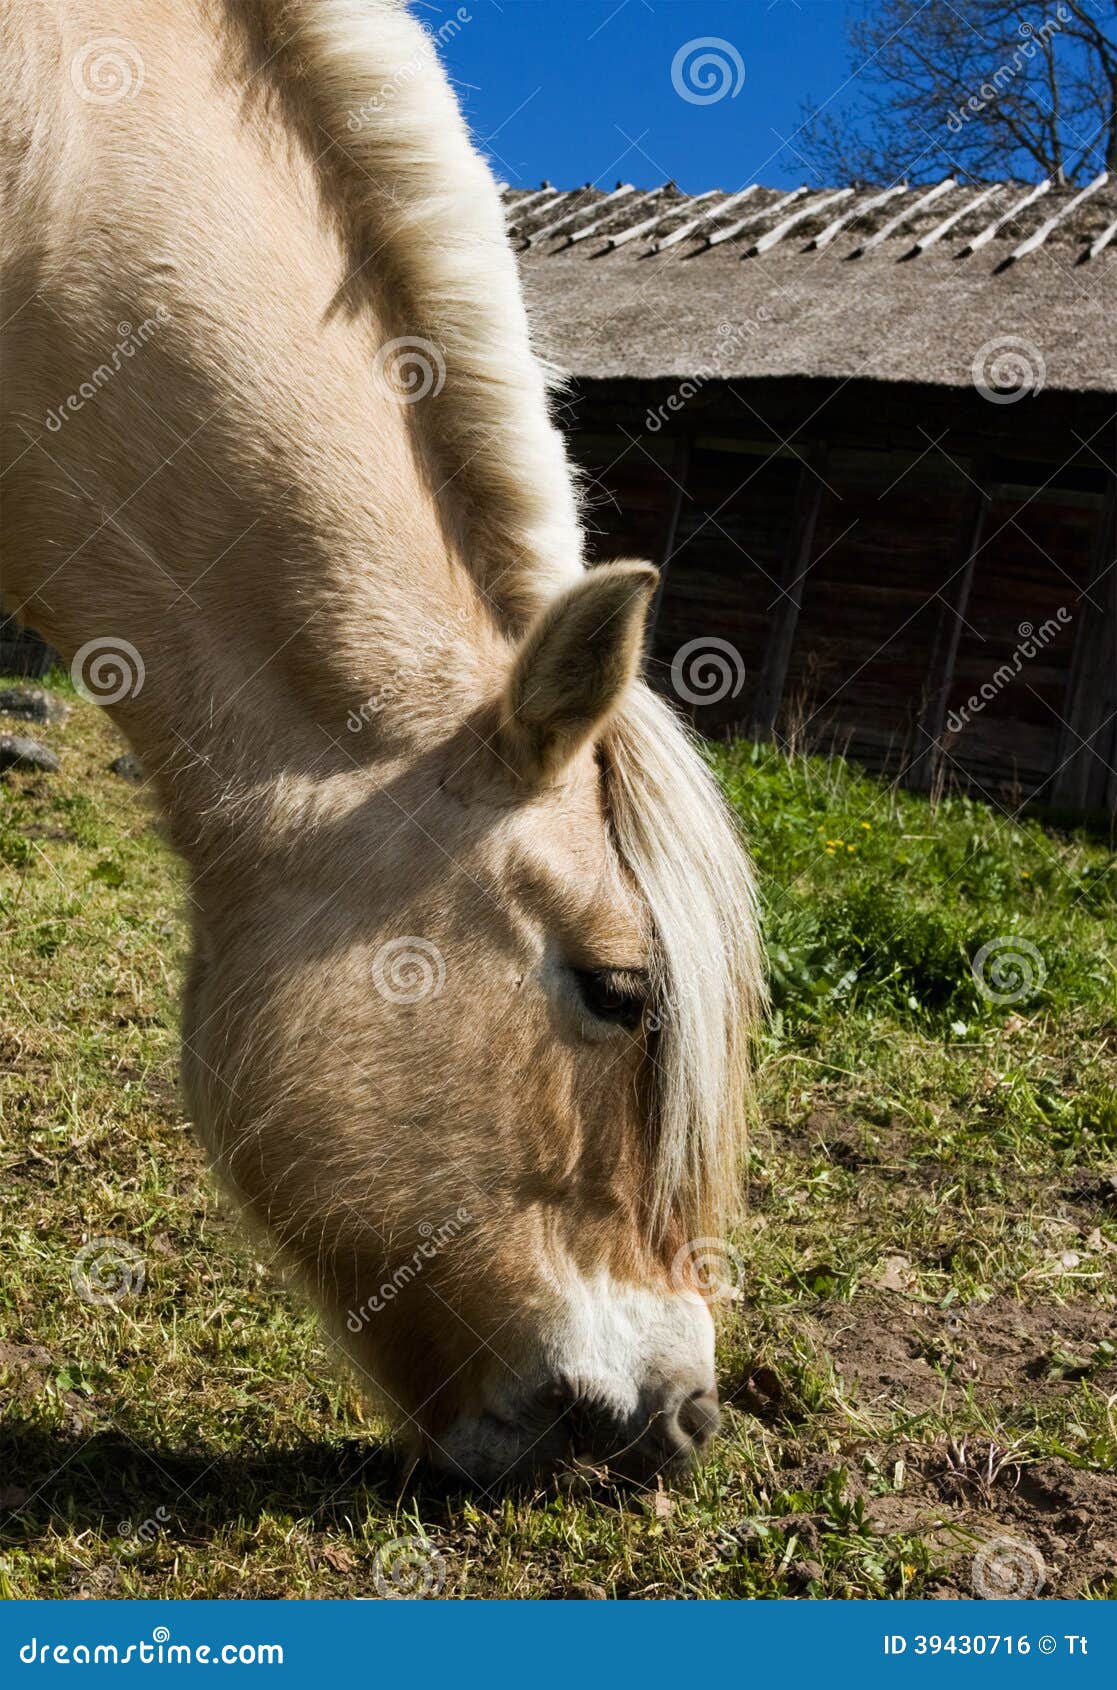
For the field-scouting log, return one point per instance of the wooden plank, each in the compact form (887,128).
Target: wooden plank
(944,654)
(785,615)
(680,469)
(1081,780)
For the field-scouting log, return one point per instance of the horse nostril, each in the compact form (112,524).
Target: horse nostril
(554,1399)
(698,1417)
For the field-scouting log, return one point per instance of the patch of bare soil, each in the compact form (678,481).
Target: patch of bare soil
(1048,1527)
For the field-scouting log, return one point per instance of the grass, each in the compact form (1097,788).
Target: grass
(922,1355)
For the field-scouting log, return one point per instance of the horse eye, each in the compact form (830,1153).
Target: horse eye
(617,995)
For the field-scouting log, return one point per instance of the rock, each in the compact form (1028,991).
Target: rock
(128,768)
(18,753)
(32,704)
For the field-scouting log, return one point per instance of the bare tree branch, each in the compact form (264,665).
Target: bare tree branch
(980,89)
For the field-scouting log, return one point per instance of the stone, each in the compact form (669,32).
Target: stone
(19,753)
(32,704)
(128,768)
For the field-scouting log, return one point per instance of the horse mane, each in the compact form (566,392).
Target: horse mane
(422,220)
(420,213)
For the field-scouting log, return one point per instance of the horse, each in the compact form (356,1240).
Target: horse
(475,967)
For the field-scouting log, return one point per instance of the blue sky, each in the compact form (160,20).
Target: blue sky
(581,90)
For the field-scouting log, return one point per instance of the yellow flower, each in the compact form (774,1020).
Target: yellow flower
(868,826)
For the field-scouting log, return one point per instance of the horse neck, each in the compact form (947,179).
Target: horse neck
(243,504)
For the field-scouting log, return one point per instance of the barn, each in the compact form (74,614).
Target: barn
(870,436)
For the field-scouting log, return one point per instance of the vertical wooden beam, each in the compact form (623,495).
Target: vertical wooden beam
(785,614)
(954,600)
(1082,781)
(680,468)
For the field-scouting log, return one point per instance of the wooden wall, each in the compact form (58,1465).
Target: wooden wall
(872,559)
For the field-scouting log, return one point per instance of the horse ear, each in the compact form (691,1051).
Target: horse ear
(573,667)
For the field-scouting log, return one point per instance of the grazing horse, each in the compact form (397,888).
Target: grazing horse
(474,966)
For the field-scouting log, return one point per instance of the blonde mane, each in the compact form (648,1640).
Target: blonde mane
(421,214)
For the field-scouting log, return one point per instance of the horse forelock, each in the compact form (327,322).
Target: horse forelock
(678,840)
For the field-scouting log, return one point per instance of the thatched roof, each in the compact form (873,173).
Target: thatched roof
(929,284)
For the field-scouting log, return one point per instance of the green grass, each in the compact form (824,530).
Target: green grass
(922,1353)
